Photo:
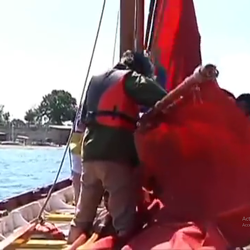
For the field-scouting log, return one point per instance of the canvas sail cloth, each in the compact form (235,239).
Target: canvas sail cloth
(198,153)
(176,41)
(194,142)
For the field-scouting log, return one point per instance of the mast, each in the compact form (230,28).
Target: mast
(131,25)
(140,25)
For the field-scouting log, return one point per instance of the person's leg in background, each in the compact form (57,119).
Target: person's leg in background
(76,183)
(77,170)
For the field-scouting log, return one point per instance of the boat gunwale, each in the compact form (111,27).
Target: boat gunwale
(22,199)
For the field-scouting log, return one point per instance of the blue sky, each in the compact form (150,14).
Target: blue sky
(46,44)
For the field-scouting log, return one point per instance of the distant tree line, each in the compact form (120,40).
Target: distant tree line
(55,108)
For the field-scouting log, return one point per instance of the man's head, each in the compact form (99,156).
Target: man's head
(243,102)
(138,62)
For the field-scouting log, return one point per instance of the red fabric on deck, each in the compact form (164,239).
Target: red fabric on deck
(176,41)
(168,236)
(176,236)
(173,236)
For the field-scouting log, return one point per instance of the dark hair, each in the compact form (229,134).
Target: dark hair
(246,99)
(138,62)
(228,93)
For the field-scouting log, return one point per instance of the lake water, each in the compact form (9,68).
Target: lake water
(23,169)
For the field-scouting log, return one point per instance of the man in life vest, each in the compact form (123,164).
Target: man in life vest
(75,147)
(112,105)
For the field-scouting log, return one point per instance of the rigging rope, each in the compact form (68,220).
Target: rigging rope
(39,218)
(152,24)
(116,34)
(149,23)
(70,160)
(135,26)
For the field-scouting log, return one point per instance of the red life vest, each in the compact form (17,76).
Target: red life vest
(107,102)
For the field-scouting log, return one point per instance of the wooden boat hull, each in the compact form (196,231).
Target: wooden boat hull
(34,195)
(58,211)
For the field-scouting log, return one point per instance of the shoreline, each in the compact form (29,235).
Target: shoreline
(29,147)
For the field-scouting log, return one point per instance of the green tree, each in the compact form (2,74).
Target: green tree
(17,123)
(31,116)
(6,117)
(58,106)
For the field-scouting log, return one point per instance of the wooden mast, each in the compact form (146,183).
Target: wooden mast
(140,25)
(128,10)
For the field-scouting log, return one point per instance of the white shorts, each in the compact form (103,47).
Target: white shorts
(77,164)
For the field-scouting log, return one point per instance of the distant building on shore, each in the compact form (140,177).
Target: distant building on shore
(60,133)
(3,136)
(22,139)
(57,134)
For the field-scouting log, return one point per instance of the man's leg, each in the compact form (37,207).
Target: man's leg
(76,175)
(89,199)
(118,180)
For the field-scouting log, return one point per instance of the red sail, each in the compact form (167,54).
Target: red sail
(199,157)
(176,40)
(199,153)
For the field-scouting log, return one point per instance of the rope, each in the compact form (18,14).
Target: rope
(152,32)
(149,22)
(39,218)
(70,161)
(156,26)
(116,33)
